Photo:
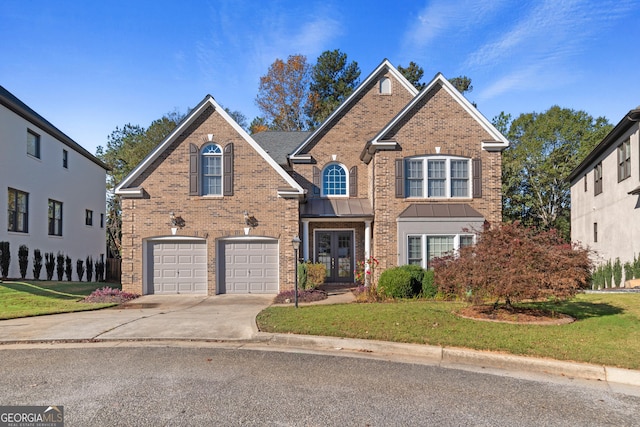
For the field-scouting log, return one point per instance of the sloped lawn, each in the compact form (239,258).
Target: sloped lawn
(34,298)
(606,330)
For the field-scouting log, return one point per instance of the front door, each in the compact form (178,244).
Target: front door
(334,249)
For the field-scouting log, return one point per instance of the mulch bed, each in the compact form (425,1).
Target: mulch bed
(516,315)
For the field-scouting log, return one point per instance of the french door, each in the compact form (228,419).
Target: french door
(335,250)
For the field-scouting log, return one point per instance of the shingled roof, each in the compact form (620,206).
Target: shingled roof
(279,144)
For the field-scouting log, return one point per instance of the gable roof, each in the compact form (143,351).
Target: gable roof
(385,65)
(381,142)
(124,187)
(279,144)
(10,101)
(632,117)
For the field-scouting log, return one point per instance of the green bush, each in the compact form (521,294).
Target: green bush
(429,288)
(37,263)
(50,264)
(401,282)
(316,274)
(68,268)
(5,259)
(60,266)
(89,268)
(302,275)
(80,269)
(636,267)
(608,274)
(617,272)
(23,260)
(628,271)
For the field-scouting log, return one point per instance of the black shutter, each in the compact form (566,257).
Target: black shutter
(399,177)
(194,170)
(227,165)
(477,177)
(316,181)
(353,182)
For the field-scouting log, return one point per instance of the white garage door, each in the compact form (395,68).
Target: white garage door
(179,267)
(250,267)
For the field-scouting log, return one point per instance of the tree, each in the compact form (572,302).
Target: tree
(283,94)
(258,124)
(414,74)
(462,83)
(513,263)
(332,81)
(126,147)
(239,118)
(545,148)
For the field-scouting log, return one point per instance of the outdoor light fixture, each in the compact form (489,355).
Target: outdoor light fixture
(296,245)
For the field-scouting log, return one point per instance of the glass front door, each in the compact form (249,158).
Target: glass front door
(334,249)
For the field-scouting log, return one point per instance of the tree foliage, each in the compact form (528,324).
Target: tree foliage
(126,147)
(414,73)
(512,263)
(545,148)
(333,79)
(283,95)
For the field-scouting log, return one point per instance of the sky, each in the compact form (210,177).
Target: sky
(91,66)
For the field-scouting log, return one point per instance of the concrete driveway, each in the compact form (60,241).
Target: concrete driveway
(150,317)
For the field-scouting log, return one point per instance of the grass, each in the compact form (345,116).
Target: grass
(606,330)
(35,298)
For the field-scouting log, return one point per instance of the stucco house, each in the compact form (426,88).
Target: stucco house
(605,194)
(392,173)
(54,189)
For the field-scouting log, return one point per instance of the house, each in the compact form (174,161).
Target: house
(54,190)
(605,194)
(391,173)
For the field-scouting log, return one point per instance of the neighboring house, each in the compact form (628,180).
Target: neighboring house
(53,189)
(392,173)
(605,194)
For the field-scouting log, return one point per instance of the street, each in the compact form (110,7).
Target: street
(191,385)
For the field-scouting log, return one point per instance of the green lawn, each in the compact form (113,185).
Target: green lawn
(33,298)
(607,329)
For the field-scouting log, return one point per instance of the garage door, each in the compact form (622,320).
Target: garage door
(250,267)
(179,267)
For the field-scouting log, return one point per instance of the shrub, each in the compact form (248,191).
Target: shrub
(512,263)
(608,274)
(597,278)
(68,268)
(23,260)
(636,267)
(50,264)
(80,269)
(302,275)
(429,289)
(5,259)
(60,266)
(628,270)
(308,295)
(100,271)
(89,268)
(316,274)
(365,272)
(37,264)
(399,282)
(617,272)
(108,294)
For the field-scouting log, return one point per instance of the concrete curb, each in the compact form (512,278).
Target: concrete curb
(444,357)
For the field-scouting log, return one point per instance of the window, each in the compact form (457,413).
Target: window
(334,180)
(18,211)
(101,220)
(88,217)
(423,249)
(445,177)
(55,218)
(624,160)
(597,179)
(65,159)
(585,182)
(385,86)
(595,232)
(33,144)
(212,170)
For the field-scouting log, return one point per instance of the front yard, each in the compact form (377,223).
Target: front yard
(606,330)
(34,298)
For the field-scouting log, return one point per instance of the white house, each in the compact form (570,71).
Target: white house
(53,190)
(605,194)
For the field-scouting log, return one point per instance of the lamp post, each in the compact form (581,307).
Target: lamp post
(296,245)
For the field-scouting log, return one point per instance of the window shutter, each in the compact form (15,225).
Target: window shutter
(194,170)
(477,177)
(316,181)
(353,182)
(399,177)
(227,165)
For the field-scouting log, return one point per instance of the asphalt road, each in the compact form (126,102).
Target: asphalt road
(224,386)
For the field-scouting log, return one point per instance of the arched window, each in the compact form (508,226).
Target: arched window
(385,85)
(334,180)
(211,170)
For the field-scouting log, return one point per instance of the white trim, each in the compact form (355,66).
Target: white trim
(123,189)
(356,93)
(425,177)
(423,244)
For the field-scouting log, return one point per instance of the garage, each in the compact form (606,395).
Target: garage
(177,267)
(249,266)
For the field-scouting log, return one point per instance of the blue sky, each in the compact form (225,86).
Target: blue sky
(88,66)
